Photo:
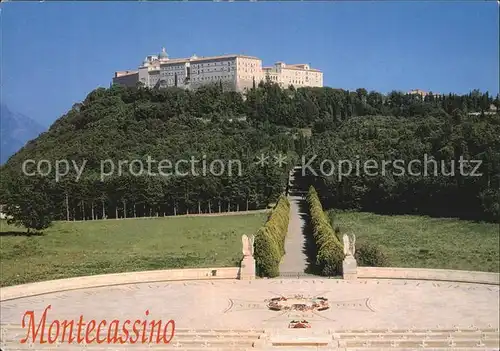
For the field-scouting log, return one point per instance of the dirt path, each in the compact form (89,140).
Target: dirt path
(295,259)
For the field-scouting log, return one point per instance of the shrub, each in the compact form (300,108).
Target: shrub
(270,239)
(267,255)
(370,255)
(330,253)
(331,217)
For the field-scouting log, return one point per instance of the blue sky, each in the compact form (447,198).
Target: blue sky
(55,53)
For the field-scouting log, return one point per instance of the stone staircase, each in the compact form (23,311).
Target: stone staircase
(395,340)
(217,339)
(287,340)
(184,339)
(426,339)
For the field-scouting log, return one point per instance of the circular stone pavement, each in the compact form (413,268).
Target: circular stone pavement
(228,304)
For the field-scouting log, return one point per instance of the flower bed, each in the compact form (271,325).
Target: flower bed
(298,303)
(299,324)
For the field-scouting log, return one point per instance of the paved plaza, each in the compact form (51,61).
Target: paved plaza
(238,304)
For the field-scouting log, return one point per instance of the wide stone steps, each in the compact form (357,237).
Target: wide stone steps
(137,347)
(396,340)
(287,339)
(184,339)
(332,348)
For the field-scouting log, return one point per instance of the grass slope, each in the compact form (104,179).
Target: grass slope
(70,249)
(423,242)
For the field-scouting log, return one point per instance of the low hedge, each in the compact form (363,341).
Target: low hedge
(329,249)
(270,240)
(370,255)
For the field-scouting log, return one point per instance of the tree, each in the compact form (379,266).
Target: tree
(29,204)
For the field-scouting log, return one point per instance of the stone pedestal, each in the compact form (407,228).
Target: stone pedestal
(247,270)
(350,268)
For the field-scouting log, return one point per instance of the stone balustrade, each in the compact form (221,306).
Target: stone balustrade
(94,281)
(428,274)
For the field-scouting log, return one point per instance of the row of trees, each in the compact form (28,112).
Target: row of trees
(321,108)
(326,108)
(128,196)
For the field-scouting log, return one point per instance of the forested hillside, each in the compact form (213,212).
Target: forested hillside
(126,124)
(435,185)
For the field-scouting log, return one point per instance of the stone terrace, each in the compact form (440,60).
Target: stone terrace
(233,314)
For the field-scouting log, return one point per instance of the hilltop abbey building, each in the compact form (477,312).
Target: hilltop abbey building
(234,72)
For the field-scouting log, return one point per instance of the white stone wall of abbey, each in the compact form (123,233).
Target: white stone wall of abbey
(236,72)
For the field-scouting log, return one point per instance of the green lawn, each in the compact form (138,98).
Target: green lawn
(417,241)
(69,249)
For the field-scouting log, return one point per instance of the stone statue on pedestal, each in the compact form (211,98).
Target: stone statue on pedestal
(248,244)
(247,270)
(349,266)
(349,245)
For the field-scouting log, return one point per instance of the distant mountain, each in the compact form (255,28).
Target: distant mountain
(15,131)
